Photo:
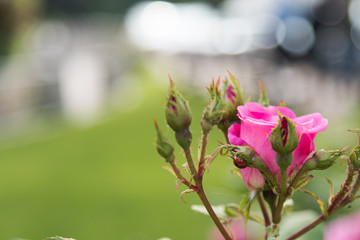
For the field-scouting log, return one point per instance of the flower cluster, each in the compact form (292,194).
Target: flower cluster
(272,149)
(257,125)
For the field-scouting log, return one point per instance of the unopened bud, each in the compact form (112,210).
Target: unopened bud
(177,109)
(163,145)
(215,112)
(184,138)
(234,97)
(323,159)
(284,139)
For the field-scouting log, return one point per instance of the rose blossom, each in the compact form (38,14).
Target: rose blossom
(257,123)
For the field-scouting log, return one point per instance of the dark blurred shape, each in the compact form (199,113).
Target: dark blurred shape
(70,7)
(332,44)
(331,12)
(7,25)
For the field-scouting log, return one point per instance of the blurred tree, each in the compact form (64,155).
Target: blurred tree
(15,17)
(69,7)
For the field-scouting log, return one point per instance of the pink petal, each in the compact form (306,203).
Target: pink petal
(234,135)
(252,178)
(305,148)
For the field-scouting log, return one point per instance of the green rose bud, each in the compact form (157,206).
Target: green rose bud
(284,139)
(177,110)
(163,145)
(323,159)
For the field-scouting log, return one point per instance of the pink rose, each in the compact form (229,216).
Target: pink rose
(346,228)
(257,123)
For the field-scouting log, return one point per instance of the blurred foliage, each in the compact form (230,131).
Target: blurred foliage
(71,7)
(15,17)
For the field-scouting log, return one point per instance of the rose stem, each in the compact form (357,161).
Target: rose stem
(282,198)
(264,212)
(204,141)
(307,228)
(202,196)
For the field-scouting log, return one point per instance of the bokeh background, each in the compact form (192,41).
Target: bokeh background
(81,80)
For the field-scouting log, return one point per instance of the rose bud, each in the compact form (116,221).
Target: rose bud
(163,145)
(177,110)
(323,159)
(284,138)
(233,96)
(215,112)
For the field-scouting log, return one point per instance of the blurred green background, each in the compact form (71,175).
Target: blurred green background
(79,160)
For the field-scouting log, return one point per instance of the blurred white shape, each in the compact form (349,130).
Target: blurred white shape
(264,28)
(354,11)
(355,34)
(233,36)
(332,43)
(50,36)
(82,86)
(297,36)
(168,27)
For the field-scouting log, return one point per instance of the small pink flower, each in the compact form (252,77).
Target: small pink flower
(257,123)
(346,228)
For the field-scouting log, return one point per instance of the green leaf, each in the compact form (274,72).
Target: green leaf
(331,195)
(318,200)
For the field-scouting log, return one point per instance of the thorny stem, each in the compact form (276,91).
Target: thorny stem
(202,196)
(355,187)
(340,200)
(264,212)
(282,198)
(204,142)
(180,176)
(263,209)
(307,228)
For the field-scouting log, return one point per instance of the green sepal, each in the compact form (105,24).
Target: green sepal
(163,145)
(331,194)
(302,182)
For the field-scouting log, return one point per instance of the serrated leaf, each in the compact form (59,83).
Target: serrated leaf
(318,200)
(331,195)
(219,210)
(303,182)
(185,192)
